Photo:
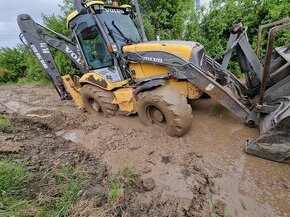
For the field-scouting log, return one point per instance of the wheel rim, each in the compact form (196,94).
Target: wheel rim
(156,116)
(95,105)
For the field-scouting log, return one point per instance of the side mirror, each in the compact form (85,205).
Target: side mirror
(79,6)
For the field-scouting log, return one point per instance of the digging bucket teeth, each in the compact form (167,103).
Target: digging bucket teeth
(272,145)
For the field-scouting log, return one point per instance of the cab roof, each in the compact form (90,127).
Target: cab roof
(89,4)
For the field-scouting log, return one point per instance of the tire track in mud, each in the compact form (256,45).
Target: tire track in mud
(199,170)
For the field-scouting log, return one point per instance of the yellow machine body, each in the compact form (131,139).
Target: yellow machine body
(99,81)
(145,70)
(123,92)
(124,95)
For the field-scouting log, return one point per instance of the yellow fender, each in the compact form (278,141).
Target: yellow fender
(100,81)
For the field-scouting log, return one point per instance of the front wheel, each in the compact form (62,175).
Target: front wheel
(165,107)
(98,101)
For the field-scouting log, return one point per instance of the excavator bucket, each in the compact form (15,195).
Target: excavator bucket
(274,144)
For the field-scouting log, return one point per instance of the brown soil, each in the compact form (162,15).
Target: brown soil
(202,173)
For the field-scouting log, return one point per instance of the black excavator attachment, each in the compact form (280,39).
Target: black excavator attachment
(273,145)
(273,104)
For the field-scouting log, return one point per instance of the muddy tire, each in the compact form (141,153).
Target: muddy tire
(165,107)
(98,101)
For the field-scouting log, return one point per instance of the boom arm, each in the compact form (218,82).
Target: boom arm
(38,41)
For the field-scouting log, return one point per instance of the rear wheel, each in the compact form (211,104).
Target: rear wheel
(98,101)
(167,108)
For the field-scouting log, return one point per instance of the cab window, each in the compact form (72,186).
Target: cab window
(91,42)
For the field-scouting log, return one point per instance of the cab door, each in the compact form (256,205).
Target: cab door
(91,42)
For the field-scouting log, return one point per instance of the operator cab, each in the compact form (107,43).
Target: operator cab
(101,32)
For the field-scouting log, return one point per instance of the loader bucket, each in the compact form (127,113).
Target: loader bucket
(272,145)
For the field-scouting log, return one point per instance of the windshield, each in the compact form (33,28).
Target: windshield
(118,18)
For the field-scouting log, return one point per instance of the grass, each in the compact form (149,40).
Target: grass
(120,183)
(5,124)
(14,179)
(67,182)
(54,197)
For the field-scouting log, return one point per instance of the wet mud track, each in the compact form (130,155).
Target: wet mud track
(202,173)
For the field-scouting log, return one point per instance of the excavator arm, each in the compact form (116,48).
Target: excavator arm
(38,39)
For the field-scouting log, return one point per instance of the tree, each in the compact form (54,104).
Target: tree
(223,14)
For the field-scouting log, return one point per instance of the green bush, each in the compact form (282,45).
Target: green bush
(11,64)
(222,15)
(5,75)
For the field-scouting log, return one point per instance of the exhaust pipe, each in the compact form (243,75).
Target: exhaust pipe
(79,6)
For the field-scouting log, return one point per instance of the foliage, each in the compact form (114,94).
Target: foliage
(209,26)
(158,16)
(223,14)
(11,64)
(5,75)
(20,64)
(57,23)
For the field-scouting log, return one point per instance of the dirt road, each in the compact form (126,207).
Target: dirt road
(204,172)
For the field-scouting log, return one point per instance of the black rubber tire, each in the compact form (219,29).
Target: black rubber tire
(176,111)
(102,98)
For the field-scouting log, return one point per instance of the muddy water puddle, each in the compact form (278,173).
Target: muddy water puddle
(18,107)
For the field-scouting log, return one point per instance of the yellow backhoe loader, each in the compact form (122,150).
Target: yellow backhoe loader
(121,72)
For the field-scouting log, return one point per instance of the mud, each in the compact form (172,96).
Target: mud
(201,174)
